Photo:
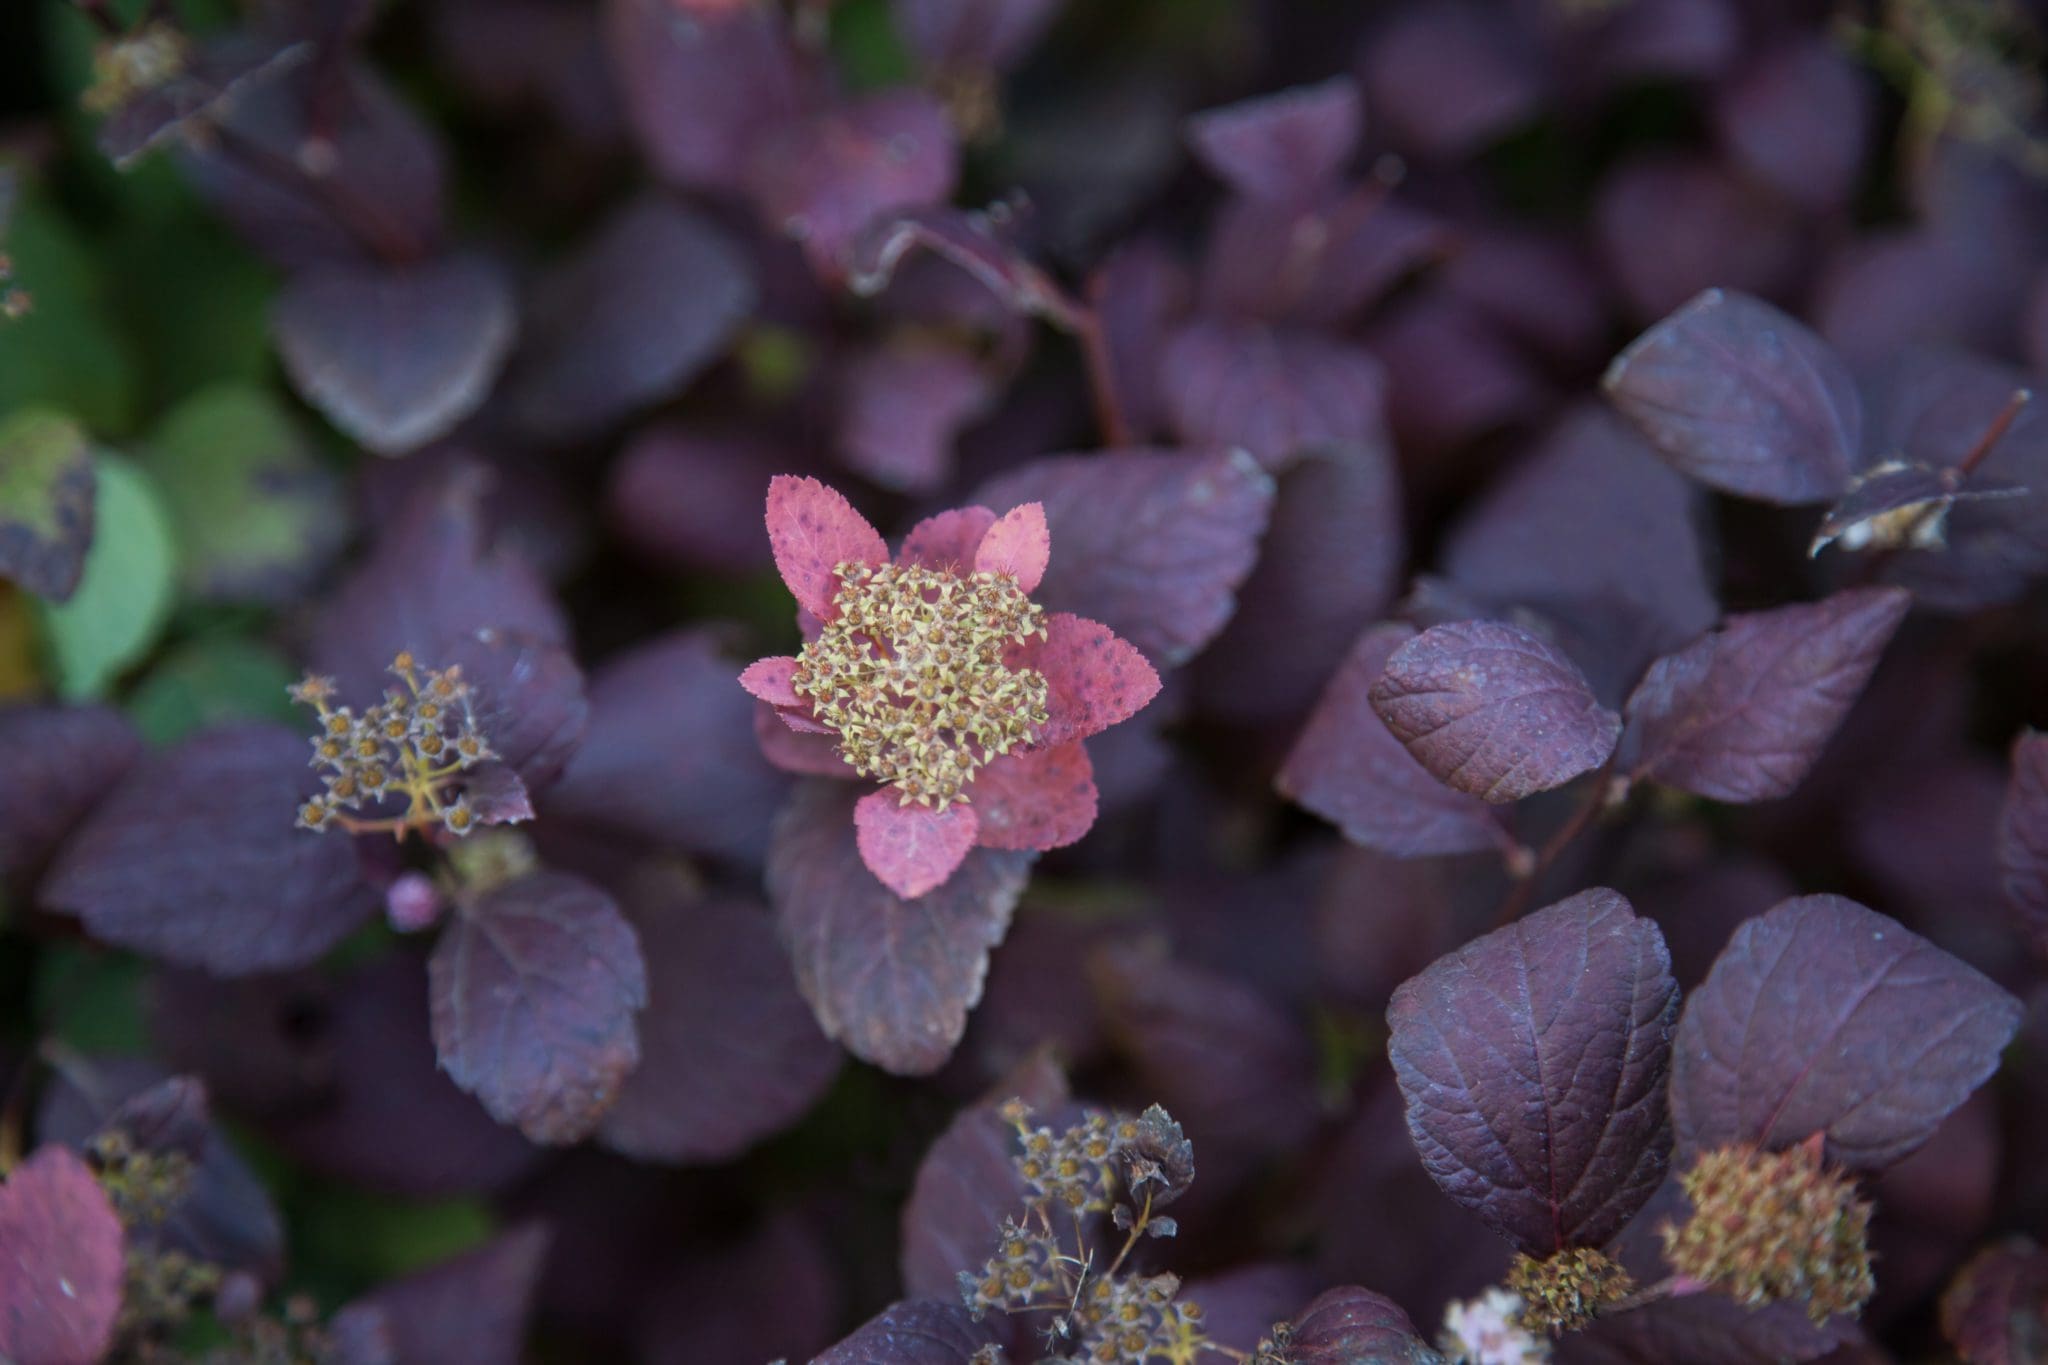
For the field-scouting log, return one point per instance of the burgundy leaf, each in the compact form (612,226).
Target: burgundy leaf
(1669,226)
(729,1052)
(471,1308)
(396,355)
(1450,77)
(891,979)
(1493,711)
(913,1332)
(61,1262)
(1995,1312)
(1743,398)
(1316,262)
(1708,1329)
(1275,393)
(902,407)
(1452,375)
(1533,1063)
(47,501)
(1349,768)
(1825,1017)
(195,858)
(1742,713)
(59,761)
(1282,145)
(669,756)
(2023,835)
(1799,119)
(972,35)
(1353,1326)
(686,497)
(534,986)
(1542,289)
(1151,544)
(629,319)
(967,1184)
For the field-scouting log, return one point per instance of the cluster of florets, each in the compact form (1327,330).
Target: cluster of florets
(1489,1330)
(164,1285)
(911,675)
(142,1186)
(151,55)
(1563,1292)
(415,746)
(1043,1262)
(1775,1225)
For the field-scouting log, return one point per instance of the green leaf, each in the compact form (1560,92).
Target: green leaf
(255,512)
(123,600)
(212,680)
(66,352)
(46,502)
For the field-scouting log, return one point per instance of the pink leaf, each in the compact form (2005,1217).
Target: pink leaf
(947,540)
(768,679)
(911,849)
(1095,678)
(793,752)
(1018,545)
(799,720)
(61,1262)
(812,530)
(1038,798)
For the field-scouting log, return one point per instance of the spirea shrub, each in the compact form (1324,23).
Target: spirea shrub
(1004,682)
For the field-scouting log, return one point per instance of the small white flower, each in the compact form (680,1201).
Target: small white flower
(1488,1331)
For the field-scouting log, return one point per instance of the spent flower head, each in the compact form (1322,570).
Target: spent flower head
(1563,1292)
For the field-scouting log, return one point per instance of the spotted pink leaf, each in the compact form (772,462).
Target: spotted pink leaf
(1095,678)
(1038,798)
(768,679)
(1018,545)
(814,529)
(911,849)
(949,539)
(793,751)
(61,1262)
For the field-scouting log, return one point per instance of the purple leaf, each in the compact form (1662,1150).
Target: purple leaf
(972,35)
(1533,1063)
(1667,227)
(1686,40)
(1493,711)
(1318,262)
(702,85)
(1743,398)
(1901,506)
(1542,289)
(59,761)
(2023,836)
(687,497)
(47,496)
(1742,713)
(1995,1311)
(1353,1326)
(1824,1017)
(1708,1329)
(1139,293)
(214,75)
(1349,768)
(396,355)
(776,1294)
(892,980)
(1283,145)
(1799,119)
(1450,77)
(901,408)
(534,988)
(471,1308)
(967,1184)
(1452,375)
(975,241)
(729,1052)
(62,1250)
(825,179)
(913,1332)
(670,756)
(1152,544)
(1242,1305)
(194,858)
(628,320)
(1276,393)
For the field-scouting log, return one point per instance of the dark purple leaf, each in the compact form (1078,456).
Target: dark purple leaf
(1896,505)
(1708,1329)
(670,755)
(62,1249)
(1452,375)
(529,701)
(703,84)
(516,55)
(47,496)
(1897,288)
(913,1332)
(729,1052)
(1825,1017)
(1349,768)
(1329,568)
(1995,1312)
(977,241)
(1318,262)
(1533,1063)
(1668,40)
(825,179)
(1152,544)
(1449,77)
(1275,393)
(630,319)
(967,1184)
(1241,1306)
(1799,119)
(688,497)
(1742,713)
(59,762)
(1284,145)
(1493,711)
(902,406)
(396,355)
(214,75)
(1139,293)
(1542,289)
(1353,1326)
(1669,227)
(892,980)
(534,986)
(471,1308)
(775,1295)
(1377,920)
(972,35)
(195,858)
(1743,398)
(2023,836)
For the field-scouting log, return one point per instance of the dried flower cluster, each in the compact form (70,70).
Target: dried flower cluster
(1561,1293)
(911,675)
(1775,1225)
(414,746)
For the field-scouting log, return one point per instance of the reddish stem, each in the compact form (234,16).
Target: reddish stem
(1598,796)
(1086,325)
